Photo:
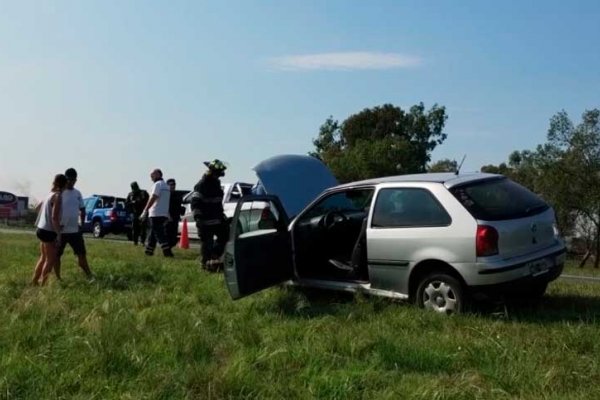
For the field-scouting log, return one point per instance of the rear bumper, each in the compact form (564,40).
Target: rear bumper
(520,277)
(520,285)
(544,266)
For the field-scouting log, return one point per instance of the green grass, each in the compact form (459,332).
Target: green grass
(155,328)
(572,268)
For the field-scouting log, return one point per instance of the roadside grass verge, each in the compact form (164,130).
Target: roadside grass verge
(572,268)
(156,328)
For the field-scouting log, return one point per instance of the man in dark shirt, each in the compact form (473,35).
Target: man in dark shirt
(135,203)
(207,207)
(175,211)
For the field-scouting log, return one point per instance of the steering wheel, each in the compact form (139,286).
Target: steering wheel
(332,218)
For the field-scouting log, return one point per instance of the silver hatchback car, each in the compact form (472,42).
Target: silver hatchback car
(440,240)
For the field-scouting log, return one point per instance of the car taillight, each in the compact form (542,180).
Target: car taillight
(113,215)
(486,241)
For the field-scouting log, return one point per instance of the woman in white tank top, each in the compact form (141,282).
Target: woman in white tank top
(48,230)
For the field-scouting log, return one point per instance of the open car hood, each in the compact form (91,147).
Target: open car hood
(295,179)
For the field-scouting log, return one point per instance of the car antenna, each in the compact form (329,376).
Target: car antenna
(460,165)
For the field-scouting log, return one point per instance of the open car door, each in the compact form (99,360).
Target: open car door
(259,252)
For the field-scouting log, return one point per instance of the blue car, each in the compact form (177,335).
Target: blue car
(106,214)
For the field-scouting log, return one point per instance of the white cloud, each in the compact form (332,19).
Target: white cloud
(356,60)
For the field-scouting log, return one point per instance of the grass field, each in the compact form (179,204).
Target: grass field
(155,328)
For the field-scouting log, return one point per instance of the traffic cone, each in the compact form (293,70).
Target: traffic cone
(184,240)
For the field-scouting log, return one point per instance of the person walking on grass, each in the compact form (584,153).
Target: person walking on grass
(48,230)
(73,216)
(175,212)
(207,206)
(157,209)
(135,203)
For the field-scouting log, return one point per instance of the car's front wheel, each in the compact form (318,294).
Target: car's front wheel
(441,293)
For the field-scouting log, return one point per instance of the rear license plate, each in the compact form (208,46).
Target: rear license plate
(538,267)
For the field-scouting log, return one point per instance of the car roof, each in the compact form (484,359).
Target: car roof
(448,179)
(105,196)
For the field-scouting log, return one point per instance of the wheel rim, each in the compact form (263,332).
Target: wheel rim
(441,297)
(96,230)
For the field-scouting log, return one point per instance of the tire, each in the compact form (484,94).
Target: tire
(441,293)
(98,230)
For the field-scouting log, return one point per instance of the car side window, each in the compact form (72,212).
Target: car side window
(408,207)
(355,200)
(90,205)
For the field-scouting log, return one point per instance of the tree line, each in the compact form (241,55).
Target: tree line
(565,170)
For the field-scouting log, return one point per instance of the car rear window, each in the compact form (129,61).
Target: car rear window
(498,199)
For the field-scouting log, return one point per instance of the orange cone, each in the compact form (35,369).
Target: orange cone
(184,240)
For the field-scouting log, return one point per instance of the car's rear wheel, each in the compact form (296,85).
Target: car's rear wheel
(97,229)
(441,293)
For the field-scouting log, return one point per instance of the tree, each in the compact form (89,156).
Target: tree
(444,165)
(572,178)
(566,172)
(380,141)
(501,169)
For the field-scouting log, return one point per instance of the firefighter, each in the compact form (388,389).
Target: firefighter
(207,208)
(135,203)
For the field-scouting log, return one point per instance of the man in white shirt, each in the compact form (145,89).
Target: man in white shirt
(157,209)
(73,213)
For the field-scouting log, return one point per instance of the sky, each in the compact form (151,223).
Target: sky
(117,88)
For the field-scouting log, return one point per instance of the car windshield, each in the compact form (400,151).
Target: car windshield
(498,199)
